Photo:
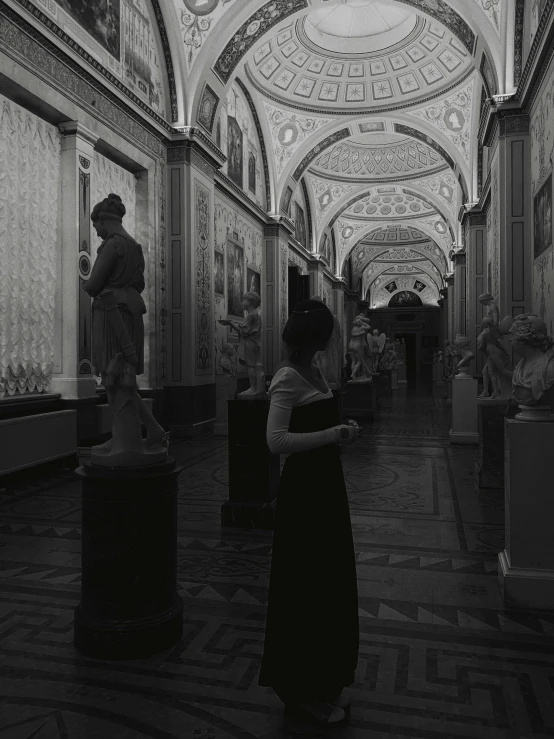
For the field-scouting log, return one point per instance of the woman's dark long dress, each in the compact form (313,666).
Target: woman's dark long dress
(312,632)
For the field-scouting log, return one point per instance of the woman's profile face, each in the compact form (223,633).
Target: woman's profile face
(100,228)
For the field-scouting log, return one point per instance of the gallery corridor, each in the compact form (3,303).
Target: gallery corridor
(439,655)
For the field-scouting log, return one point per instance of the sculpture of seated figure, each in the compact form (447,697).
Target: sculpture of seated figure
(463,354)
(116,283)
(250,345)
(496,372)
(533,376)
(357,349)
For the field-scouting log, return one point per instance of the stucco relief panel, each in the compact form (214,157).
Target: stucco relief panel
(288,132)
(452,116)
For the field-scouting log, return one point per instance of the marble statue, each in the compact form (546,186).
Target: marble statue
(448,354)
(440,357)
(390,360)
(463,354)
(361,370)
(534,374)
(228,359)
(496,371)
(493,312)
(376,342)
(329,361)
(116,283)
(250,345)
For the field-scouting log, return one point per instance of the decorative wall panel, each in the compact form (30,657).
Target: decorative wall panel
(204,280)
(29,239)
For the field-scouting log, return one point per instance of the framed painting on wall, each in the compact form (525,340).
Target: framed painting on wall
(234,151)
(300,224)
(235,278)
(100,18)
(542,216)
(253,282)
(252,173)
(219,273)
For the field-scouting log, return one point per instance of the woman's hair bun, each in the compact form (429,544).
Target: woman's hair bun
(116,203)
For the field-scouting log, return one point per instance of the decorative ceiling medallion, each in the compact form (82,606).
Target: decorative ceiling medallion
(200,7)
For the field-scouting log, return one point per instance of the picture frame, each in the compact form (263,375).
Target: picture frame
(253,281)
(234,151)
(235,278)
(252,172)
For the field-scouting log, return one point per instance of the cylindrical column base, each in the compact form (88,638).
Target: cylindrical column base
(129,603)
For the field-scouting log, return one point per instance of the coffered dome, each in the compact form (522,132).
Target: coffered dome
(359,26)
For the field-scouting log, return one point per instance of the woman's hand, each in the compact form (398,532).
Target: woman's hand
(345,434)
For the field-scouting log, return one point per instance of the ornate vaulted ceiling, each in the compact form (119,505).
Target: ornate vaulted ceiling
(369,109)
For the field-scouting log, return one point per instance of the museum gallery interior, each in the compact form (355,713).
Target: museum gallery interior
(176,176)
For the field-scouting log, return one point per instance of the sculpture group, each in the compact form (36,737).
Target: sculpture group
(371,353)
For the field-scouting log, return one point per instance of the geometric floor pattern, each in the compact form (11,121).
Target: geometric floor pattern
(440,657)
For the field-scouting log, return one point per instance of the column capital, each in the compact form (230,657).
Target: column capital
(279,226)
(449,279)
(443,291)
(458,257)
(74,128)
(474,218)
(189,145)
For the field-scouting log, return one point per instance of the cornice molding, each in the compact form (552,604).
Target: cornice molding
(197,138)
(227,187)
(74,128)
(540,55)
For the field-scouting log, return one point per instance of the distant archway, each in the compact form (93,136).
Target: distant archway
(405,299)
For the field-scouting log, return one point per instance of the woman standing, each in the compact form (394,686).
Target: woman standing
(311,639)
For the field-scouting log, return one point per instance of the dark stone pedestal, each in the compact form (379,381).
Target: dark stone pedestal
(253,470)
(359,400)
(490,465)
(129,603)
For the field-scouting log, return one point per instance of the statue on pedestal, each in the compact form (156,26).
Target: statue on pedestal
(357,349)
(376,343)
(493,313)
(116,283)
(463,354)
(250,345)
(390,360)
(449,365)
(496,372)
(329,361)
(534,374)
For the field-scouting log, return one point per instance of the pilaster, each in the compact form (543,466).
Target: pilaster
(275,276)
(476,275)
(450,333)
(315,271)
(511,188)
(190,386)
(72,376)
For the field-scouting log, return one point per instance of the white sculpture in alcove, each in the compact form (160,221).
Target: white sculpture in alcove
(361,368)
(376,345)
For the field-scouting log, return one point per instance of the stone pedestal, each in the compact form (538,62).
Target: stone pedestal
(465,424)
(490,465)
(129,603)
(394,380)
(225,389)
(253,470)
(526,566)
(402,379)
(360,400)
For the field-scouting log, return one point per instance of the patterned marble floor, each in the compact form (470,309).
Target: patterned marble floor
(440,658)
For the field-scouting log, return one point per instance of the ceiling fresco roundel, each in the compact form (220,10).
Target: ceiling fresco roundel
(361,56)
